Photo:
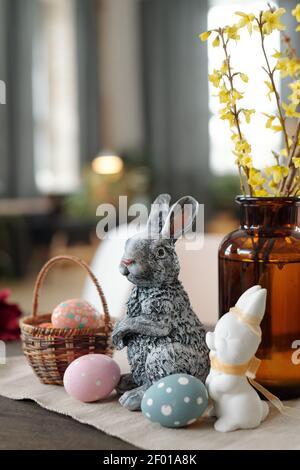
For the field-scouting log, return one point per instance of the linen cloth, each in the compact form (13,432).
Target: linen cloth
(17,381)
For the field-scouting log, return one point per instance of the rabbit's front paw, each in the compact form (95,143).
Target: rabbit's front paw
(118,334)
(126,383)
(117,339)
(133,398)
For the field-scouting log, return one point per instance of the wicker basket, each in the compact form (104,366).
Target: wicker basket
(50,350)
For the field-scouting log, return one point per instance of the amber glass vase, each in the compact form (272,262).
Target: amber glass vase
(265,250)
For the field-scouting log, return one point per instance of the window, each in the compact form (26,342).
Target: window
(246,57)
(56,138)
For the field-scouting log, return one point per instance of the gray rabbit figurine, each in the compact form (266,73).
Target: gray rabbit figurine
(162,333)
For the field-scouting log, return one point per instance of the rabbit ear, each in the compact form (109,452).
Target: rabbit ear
(242,302)
(253,305)
(180,218)
(159,211)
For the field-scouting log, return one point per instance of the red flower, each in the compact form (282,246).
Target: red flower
(9,315)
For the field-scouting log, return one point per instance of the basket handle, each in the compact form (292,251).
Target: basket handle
(80,262)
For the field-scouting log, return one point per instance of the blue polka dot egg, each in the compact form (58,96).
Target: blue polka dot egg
(175,401)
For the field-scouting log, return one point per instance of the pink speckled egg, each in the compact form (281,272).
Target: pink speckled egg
(91,377)
(75,313)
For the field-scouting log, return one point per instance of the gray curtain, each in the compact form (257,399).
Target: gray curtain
(19,21)
(88,78)
(16,131)
(176,95)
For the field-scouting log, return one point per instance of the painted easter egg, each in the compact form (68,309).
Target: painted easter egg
(91,377)
(75,313)
(175,401)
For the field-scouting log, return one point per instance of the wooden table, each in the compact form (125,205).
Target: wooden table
(25,425)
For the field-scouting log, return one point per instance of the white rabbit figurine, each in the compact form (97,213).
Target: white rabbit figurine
(232,347)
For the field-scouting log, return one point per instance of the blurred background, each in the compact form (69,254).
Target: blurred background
(106,98)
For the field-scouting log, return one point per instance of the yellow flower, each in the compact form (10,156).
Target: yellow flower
(296,161)
(270,88)
(224,95)
(246,20)
(244,77)
(276,128)
(295,85)
(276,54)
(245,161)
(296,12)
(269,120)
(204,36)
(271,20)
(232,32)
(295,96)
(261,193)
(215,78)
(236,95)
(224,67)
(273,185)
(288,67)
(242,146)
(226,114)
(255,178)
(247,113)
(242,150)
(277,172)
(270,125)
(229,97)
(216,41)
(290,110)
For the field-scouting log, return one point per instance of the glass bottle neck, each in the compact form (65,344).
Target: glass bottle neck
(269,216)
